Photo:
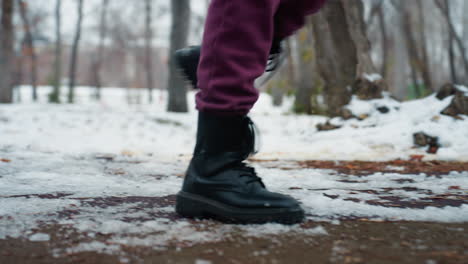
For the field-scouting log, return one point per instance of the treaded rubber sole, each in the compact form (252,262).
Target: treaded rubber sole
(195,206)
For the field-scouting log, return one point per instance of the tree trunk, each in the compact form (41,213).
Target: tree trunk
(385,41)
(19,78)
(30,49)
(465,21)
(286,76)
(451,50)
(179,34)
(307,86)
(399,60)
(364,86)
(354,11)
(343,55)
(445,9)
(54,97)
(425,65)
(149,49)
(417,57)
(74,55)
(410,42)
(465,32)
(97,62)
(291,62)
(6,51)
(277,88)
(337,56)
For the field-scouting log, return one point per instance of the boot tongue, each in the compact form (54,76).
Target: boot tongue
(251,138)
(213,164)
(224,142)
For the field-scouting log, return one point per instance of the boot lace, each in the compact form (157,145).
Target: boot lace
(252,147)
(275,58)
(249,172)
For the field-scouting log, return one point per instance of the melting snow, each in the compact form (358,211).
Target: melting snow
(113,168)
(463,89)
(373,77)
(39,237)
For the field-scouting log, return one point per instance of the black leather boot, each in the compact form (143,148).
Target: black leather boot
(187,60)
(219,185)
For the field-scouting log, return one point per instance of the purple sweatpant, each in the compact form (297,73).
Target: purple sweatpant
(236,44)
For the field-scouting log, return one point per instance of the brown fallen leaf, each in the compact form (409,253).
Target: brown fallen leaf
(117,172)
(5,160)
(371,220)
(405,243)
(418,158)
(352,167)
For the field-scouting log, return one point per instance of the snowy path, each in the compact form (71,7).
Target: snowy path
(111,171)
(132,199)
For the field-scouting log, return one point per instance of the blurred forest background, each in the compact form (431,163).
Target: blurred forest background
(408,48)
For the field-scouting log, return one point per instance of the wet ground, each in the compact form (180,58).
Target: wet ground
(349,242)
(69,235)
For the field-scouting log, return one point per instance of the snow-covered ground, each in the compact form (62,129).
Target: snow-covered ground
(113,168)
(113,126)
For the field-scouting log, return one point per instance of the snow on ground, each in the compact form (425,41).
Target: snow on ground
(113,126)
(379,136)
(113,168)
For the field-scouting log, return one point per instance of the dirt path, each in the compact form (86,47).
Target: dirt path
(348,242)
(138,228)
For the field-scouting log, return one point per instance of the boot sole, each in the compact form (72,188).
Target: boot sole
(195,206)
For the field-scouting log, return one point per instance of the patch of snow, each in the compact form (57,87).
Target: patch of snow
(389,136)
(39,237)
(278,229)
(180,231)
(315,183)
(319,230)
(462,89)
(369,107)
(202,261)
(94,246)
(258,253)
(394,168)
(144,131)
(373,77)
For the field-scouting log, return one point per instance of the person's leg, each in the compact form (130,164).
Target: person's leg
(218,184)
(236,43)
